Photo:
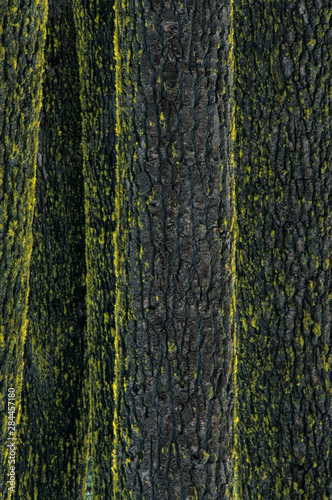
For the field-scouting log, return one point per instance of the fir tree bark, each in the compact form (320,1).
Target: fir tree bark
(53,431)
(283,200)
(22,37)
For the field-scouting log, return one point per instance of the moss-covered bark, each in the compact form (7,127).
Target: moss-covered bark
(95,27)
(182,241)
(22,37)
(283,156)
(53,431)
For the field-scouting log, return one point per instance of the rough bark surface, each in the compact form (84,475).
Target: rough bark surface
(52,448)
(95,28)
(283,197)
(182,243)
(174,403)
(22,37)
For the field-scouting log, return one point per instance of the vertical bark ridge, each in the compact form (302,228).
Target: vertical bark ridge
(52,435)
(22,38)
(95,27)
(176,370)
(233,489)
(125,97)
(283,197)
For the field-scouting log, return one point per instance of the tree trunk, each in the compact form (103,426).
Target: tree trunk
(95,27)
(283,201)
(173,377)
(53,448)
(22,37)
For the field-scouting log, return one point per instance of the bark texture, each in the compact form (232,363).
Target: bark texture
(283,197)
(181,278)
(22,37)
(53,449)
(95,47)
(173,385)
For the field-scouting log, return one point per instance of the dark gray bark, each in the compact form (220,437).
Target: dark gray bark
(175,404)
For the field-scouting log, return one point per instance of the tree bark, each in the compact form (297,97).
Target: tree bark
(53,434)
(283,201)
(95,27)
(180,276)
(173,374)
(22,37)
